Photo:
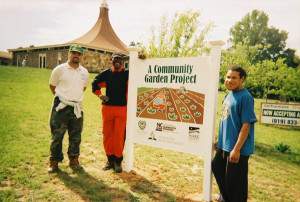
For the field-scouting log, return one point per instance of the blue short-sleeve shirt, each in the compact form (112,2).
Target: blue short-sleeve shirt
(238,108)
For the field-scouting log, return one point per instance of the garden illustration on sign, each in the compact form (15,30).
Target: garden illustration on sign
(180,105)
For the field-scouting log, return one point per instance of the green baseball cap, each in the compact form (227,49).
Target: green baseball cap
(77,48)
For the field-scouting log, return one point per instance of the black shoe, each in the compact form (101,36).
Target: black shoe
(118,167)
(109,165)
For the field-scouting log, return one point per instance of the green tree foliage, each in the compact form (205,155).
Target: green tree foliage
(292,60)
(273,44)
(273,70)
(241,55)
(262,78)
(182,36)
(253,30)
(266,79)
(270,79)
(289,82)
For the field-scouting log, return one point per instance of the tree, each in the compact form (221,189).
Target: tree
(288,82)
(272,69)
(251,30)
(241,55)
(292,60)
(274,44)
(270,79)
(182,36)
(262,78)
(266,79)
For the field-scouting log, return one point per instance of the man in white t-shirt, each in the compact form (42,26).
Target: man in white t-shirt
(68,82)
(24,63)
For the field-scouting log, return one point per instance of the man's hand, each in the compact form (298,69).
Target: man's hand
(234,156)
(235,153)
(104,98)
(216,146)
(52,89)
(141,56)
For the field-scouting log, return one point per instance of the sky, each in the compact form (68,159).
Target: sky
(49,22)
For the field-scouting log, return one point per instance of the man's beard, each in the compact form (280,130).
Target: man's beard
(118,66)
(75,61)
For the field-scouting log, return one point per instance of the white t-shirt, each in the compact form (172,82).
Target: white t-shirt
(69,82)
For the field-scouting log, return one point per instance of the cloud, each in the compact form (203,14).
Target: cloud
(46,22)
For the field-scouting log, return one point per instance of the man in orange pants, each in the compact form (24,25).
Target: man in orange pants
(115,80)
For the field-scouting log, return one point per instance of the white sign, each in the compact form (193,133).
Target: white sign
(280,114)
(172,104)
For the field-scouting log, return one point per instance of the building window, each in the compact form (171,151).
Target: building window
(18,61)
(126,65)
(59,61)
(42,61)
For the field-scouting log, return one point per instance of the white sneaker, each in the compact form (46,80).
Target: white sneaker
(218,197)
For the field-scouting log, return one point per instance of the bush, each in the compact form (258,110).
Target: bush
(283,147)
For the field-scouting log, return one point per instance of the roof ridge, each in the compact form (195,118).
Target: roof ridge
(102,35)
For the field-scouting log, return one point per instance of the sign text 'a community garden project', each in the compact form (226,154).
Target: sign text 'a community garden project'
(172,104)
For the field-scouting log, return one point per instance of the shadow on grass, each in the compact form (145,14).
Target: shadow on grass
(273,154)
(92,189)
(282,128)
(141,185)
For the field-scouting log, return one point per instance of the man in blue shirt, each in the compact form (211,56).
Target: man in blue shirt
(236,138)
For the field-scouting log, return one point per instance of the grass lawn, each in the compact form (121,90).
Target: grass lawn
(158,175)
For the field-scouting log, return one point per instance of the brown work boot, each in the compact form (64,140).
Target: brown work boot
(118,167)
(74,164)
(53,168)
(108,165)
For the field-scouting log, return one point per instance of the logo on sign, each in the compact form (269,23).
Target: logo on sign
(194,134)
(142,125)
(159,127)
(165,127)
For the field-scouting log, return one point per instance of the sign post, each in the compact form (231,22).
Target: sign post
(215,69)
(129,138)
(172,105)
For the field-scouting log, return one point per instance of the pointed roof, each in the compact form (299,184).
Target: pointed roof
(102,35)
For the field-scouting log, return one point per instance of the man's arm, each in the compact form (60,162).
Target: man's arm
(52,89)
(235,153)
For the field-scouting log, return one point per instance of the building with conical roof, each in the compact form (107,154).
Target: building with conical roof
(5,58)
(99,43)
(102,35)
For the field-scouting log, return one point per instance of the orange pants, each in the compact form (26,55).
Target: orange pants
(114,125)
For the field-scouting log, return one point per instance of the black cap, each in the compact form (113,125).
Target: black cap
(117,55)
